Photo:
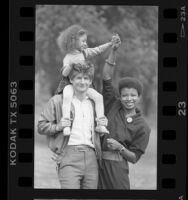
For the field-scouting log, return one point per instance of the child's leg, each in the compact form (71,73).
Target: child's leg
(66,107)
(99,107)
(98,99)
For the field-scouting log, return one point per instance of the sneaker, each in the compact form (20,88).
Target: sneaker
(102,129)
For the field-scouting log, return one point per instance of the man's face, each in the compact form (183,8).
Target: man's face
(81,82)
(129,98)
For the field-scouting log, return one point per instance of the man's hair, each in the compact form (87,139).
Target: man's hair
(130,82)
(67,38)
(86,68)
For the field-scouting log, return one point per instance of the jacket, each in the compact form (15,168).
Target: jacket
(50,117)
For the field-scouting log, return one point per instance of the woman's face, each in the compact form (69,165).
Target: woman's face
(129,98)
(81,42)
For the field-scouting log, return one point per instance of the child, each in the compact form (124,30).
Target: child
(73,41)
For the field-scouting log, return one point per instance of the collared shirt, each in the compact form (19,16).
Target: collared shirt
(83,124)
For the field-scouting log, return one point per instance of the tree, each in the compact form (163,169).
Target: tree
(137,26)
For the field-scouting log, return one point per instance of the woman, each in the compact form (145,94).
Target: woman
(129,132)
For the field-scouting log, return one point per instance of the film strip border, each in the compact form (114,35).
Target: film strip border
(172,100)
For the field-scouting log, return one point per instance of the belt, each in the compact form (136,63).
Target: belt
(111,155)
(80,148)
(77,148)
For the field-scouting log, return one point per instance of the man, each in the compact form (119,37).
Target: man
(78,153)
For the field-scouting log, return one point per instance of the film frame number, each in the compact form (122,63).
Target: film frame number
(182,108)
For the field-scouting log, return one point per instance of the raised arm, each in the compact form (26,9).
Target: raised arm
(108,90)
(91,52)
(109,65)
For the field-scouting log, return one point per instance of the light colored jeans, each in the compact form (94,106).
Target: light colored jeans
(78,168)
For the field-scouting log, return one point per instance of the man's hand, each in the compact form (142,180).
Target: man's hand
(62,124)
(113,144)
(57,158)
(103,121)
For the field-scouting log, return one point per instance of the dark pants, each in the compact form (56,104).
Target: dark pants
(78,168)
(114,175)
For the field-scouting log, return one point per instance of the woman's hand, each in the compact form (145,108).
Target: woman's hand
(116,42)
(113,144)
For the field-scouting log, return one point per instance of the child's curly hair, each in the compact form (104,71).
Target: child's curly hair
(67,38)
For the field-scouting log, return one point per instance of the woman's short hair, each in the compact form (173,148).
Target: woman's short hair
(86,68)
(131,82)
(66,40)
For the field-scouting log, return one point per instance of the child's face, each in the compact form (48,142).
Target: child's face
(81,42)
(129,98)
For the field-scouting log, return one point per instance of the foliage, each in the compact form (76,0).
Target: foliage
(137,26)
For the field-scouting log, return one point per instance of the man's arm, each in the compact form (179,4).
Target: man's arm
(46,127)
(47,124)
(47,121)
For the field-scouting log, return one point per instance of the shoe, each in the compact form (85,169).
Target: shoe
(102,129)
(66,131)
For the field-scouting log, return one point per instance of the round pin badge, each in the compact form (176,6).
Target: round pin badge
(129,119)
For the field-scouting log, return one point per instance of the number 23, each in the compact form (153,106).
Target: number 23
(182,108)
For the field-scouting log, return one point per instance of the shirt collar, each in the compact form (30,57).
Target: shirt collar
(86,98)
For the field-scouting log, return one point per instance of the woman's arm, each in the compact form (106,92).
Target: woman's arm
(108,90)
(109,65)
(127,154)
